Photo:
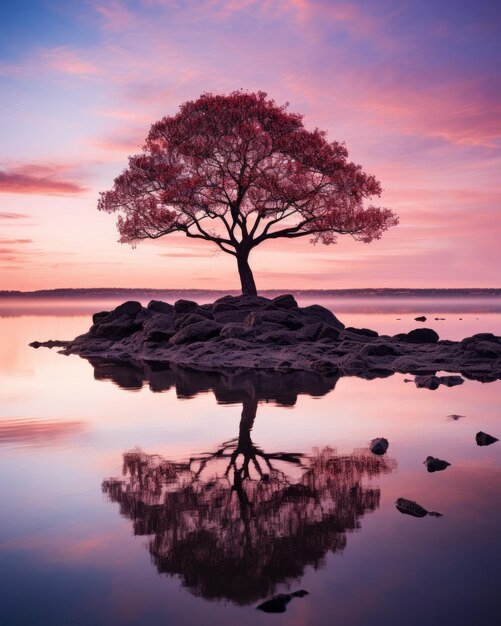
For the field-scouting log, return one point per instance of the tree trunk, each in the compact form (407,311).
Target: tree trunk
(246,277)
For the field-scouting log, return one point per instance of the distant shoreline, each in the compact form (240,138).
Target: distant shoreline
(112,292)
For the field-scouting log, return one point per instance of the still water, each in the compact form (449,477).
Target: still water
(148,497)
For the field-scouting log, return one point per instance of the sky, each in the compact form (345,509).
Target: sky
(411,86)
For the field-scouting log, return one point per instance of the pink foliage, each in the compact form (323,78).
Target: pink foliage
(238,170)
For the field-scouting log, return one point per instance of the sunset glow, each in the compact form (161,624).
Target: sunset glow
(410,88)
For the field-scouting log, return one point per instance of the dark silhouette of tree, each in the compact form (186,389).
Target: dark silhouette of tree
(238,170)
(235,522)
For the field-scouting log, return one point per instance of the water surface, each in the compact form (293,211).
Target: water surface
(171,497)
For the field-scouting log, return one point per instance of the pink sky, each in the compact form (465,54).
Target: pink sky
(411,89)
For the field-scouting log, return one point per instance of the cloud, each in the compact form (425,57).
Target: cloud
(8,215)
(37,433)
(66,61)
(4,242)
(38,179)
(125,140)
(58,60)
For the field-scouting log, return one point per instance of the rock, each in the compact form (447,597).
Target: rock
(409,507)
(115,329)
(261,333)
(486,350)
(160,307)
(100,317)
(483,439)
(159,328)
(183,307)
(234,329)
(421,318)
(381,349)
(328,332)
(200,331)
(232,315)
(317,313)
(379,446)
(192,318)
(365,332)
(279,338)
(309,333)
(52,343)
(455,417)
(325,367)
(421,335)
(435,465)
(283,318)
(130,308)
(287,301)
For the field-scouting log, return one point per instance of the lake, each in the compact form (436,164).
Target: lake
(168,496)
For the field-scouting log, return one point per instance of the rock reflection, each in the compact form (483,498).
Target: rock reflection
(229,387)
(235,522)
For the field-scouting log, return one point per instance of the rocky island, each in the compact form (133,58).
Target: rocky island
(258,333)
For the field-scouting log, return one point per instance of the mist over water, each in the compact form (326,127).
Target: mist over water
(190,499)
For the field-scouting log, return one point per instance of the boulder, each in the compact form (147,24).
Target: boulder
(233,329)
(486,350)
(483,439)
(159,328)
(328,332)
(421,335)
(183,307)
(200,331)
(234,314)
(365,332)
(309,333)
(435,465)
(421,318)
(381,349)
(160,307)
(117,328)
(287,302)
(317,313)
(130,308)
(100,317)
(278,337)
(283,318)
(192,318)
(379,446)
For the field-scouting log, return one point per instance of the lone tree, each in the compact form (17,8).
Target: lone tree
(238,170)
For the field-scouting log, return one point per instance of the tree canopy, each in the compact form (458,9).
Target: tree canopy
(238,170)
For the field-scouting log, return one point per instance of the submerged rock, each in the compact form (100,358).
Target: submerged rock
(435,465)
(379,445)
(483,439)
(409,507)
(278,604)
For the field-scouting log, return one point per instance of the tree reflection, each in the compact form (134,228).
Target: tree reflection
(235,522)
